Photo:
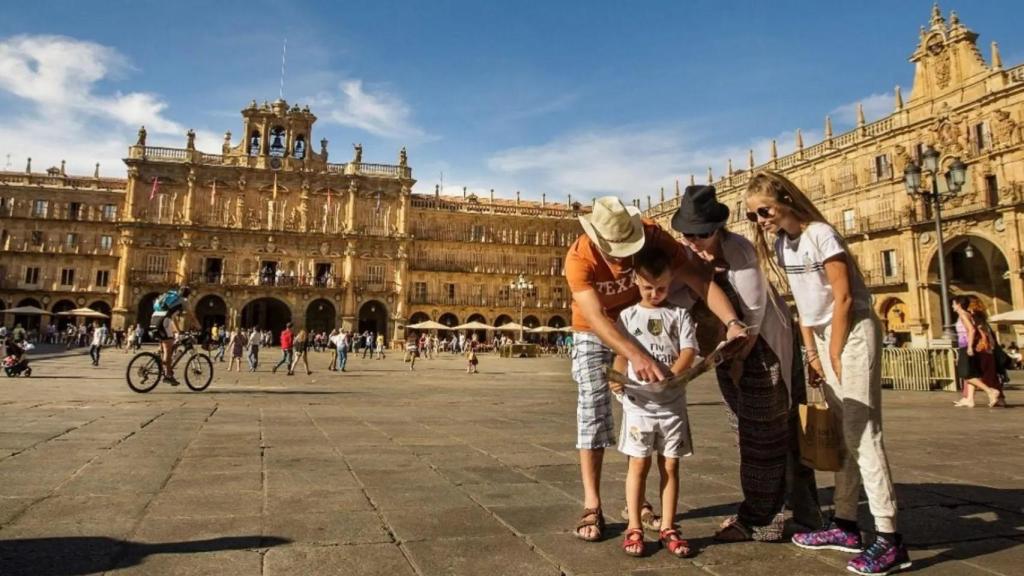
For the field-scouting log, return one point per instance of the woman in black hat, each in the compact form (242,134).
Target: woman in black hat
(757,383)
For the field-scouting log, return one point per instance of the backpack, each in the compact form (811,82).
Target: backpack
(168,302)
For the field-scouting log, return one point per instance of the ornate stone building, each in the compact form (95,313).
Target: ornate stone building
(965,108)
(268,230)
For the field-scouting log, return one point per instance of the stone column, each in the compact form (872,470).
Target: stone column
(120,311)
(304,206)
(350,206)
(186,251)
(129,197)
(348,308)
(403,213)
(916,275)
(190,196)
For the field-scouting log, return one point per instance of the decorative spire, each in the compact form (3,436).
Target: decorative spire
(692,180)
(711,178)
(730,167)
(663,194)
(437,190)
(828,127)
(517,197)
(463,192)
(62,166)
(938,23)
(775,150)
(750,160)
(28,166)
(543,198)
(860,115)
(569,203)
(96,172)
(899,99)
(997,60)
(648,201)
(799,139)
(677,187)
(492,195)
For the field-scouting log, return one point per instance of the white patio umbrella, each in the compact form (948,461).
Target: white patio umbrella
(1011,317)
(510,327)
(543,330)
(474,326)
(25,311)
(83,313)
(428,325)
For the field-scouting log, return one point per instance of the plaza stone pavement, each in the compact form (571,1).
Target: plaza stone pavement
(383,471)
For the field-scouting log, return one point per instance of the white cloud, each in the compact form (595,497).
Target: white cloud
(378,113)
(876,107)
(628,162)
(60,113)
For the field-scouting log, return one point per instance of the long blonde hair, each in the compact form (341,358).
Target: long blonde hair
(784,192)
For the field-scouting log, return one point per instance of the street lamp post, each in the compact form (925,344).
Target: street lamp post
(955,178)
(522,287)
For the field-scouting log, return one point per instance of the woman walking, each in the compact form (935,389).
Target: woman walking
(975,362)
(843,337)
(300,348)
(237,345)
(756,385)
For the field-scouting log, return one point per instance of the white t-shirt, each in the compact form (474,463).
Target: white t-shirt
(663,332)
(99,336)
(803,259)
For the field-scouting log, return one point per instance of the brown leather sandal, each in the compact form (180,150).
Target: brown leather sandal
(648,519)
(591,517)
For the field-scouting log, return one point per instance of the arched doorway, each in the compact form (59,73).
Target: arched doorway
(976,266)
(145,311)
(531,322)
(373,317)
(419,317)
(210,310)
(29,321)
(449,319)
(895,316)
(556,322)
(102,307)
(320,316)
(62,321)
(481,335)
(266,314)
(502,320)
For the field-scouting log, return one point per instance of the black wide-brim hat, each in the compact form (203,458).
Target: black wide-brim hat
(700,212)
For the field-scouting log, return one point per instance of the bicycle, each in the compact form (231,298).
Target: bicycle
(146,369)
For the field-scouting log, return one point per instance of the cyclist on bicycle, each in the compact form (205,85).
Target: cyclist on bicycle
(167,309)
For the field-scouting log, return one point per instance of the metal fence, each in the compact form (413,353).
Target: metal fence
(919,368)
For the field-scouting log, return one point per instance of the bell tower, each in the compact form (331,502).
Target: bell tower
(946,57)
(276,134)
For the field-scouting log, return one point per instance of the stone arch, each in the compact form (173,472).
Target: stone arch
(103,307)
(145,309)
(418,317)
(211,309)
(502,319)
(266,313)
(975,264)
(557,321)
(28,322)
(321,315)
(476,317)
(449,319)
(64,305)
(531,321)
(373,317)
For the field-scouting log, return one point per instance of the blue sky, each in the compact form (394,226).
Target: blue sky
(582,98)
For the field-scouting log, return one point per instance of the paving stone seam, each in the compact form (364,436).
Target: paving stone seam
(77,471)
(119,555)
(458,486)
(406,553)
(45,440)
(263,485)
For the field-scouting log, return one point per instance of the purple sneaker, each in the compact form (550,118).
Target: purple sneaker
(831,538)
(881,558)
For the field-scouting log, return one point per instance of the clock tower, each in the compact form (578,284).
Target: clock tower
(946,58)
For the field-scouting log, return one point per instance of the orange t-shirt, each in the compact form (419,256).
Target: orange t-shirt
(585,269)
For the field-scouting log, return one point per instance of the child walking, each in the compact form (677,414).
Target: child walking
(843,339)
(654,420)
(412,350)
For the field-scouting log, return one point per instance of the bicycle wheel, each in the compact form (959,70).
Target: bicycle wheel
(144,372)
(198,372)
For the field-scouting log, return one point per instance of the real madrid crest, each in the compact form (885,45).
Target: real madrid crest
(655,326)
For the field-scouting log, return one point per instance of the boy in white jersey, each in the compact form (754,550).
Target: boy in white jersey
(654,419)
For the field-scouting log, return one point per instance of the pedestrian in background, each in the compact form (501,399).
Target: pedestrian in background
(255,337)
(237,344)
(99,335)
(300,348)
(286,349)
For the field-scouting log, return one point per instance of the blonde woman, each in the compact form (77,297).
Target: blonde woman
(300,346)
(237,345)
(843,338)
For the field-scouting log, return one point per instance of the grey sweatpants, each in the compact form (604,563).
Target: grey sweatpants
(857,403)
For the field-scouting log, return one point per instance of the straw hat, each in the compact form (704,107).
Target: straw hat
(614,227)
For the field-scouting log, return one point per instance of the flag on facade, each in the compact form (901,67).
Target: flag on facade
(156,186)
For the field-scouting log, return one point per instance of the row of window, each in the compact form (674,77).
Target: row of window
(67,277)
(450,291)
(68,239)
(71,210)
(455,232)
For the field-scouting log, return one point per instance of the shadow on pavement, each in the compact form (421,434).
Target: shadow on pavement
(964,520)
(79,555)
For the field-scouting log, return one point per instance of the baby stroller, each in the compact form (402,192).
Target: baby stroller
(15,362)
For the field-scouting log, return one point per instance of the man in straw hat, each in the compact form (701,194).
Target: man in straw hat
(599,270)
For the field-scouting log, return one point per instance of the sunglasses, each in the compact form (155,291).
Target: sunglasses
(702,236)
(762,212)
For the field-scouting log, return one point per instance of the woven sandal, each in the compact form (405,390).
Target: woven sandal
(591,517)
(648,519)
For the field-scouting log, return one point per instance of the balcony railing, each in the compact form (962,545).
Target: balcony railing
(374,286)
(263,279)
(149,277)
(876,277)
(488,301)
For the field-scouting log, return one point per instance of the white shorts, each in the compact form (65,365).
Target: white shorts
(643,435)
